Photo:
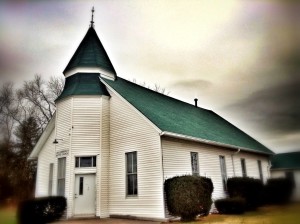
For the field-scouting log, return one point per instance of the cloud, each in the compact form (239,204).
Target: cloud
(275,109)
(195,83)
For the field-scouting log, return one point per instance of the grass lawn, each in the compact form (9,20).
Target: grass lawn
(8,216)
(264,215)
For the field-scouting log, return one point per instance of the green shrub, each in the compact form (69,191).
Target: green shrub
(278,191)
(41,210)
(188,196)
(209,187)
(248,188)
(231,205)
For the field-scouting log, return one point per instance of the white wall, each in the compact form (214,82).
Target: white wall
(63,130)
(251,165)
(85,140)
(177,161)
(105,133)
(46,156)
(131,132)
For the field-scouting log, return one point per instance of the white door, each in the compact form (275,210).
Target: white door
(84,200)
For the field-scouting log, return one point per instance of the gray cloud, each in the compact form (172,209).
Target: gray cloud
(275,109)
(195,83)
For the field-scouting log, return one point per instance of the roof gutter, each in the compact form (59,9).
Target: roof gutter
(194,139)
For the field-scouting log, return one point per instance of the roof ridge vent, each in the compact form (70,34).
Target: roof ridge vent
(196,102)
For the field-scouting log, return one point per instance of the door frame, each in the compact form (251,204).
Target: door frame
(95,198)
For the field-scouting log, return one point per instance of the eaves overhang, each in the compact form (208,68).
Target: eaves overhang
(209,142)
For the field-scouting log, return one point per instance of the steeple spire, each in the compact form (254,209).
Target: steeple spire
(92,21)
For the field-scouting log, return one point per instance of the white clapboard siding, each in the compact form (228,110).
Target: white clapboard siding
(85,141)
(129,131)
(104,155)
(177,161)
(251,161)
(46,156)
(63,128)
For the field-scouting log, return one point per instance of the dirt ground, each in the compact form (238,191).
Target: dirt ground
(106,221)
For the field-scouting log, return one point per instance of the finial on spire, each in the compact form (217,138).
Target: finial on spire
(92,21)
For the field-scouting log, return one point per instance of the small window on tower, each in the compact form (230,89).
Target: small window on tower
(85,161)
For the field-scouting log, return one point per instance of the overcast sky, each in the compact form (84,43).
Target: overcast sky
(239,58)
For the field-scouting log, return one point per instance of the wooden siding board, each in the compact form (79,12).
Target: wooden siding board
(46,156)
(130,132)
(176,157)
(86,116)
(105,118)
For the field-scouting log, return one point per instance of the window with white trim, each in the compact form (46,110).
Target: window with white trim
(85,161)
(131,174)
(244,170)
(195,163)
(50,182)
(223,172)
(260,170)
(61,176)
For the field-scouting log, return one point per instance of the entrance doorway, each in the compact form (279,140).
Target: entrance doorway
(84,201)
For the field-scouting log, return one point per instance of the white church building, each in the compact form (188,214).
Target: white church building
(112,143)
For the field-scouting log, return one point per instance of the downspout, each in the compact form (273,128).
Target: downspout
(233,161)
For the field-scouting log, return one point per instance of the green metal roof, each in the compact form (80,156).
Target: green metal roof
(290,160)
(175,116)
(90,53)
(83,84)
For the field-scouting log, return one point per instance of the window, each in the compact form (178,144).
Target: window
(61,176)
(81,186)
(86,161)
(194,162)
(50,182)
(260,170)
(223,172)
(131,173)
(243,164)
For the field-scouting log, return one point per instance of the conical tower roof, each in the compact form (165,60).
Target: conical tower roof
(90,53)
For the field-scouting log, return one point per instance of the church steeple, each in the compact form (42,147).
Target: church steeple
(89,61)
(91,56)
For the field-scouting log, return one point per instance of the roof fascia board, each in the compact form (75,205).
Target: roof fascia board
(284,169)
(42,140)
(104,73)
(189,138)
(131,106)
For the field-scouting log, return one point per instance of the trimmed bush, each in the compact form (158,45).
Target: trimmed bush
(278,191)
(188,196)
(208,185)
(231,205)
(41,210)
(248,188)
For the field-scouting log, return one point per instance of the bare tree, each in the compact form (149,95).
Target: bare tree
(34,99)
(157,88)
(24,113)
